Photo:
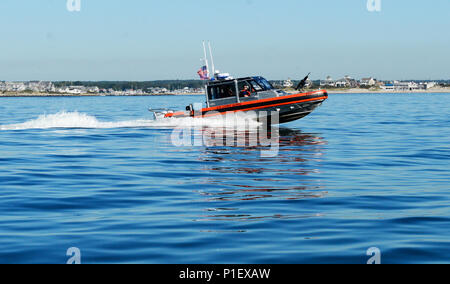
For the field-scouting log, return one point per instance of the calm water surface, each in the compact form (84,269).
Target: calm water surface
(95,173)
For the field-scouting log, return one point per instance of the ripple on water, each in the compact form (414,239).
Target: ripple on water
(112,183)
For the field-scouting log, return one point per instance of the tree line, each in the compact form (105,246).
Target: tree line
(126,85)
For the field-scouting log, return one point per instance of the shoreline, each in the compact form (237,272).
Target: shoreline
(368,91)
(331,92)
(47,95)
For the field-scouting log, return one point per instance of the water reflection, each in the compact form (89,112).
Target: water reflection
(239,176)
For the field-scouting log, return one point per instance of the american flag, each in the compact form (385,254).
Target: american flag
(203,73)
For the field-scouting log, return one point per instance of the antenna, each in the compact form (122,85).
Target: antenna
(212,59)
(206,58)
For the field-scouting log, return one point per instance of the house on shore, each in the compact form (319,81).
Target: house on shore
(368,82)
(346,82)
(288,83)
(329,82)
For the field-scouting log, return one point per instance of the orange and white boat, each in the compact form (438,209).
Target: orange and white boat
(225,95)
(232,95)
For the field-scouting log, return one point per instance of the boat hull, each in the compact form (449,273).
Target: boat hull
(288,107)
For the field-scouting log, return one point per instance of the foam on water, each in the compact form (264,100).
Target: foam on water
(81,120)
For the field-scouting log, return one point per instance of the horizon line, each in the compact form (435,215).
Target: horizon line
(384,80)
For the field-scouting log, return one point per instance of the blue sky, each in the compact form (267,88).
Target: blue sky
(156,39)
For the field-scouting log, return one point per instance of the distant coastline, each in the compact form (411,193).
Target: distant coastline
(330,91)
(379,91)
(38,94)
(346,85)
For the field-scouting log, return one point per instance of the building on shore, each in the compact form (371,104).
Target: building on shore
(329,82)
(347,82)
(33,86)
(398,86)
(13,87)
(93,90)
(40,86)
(288,83)
(368,82)
(73,90)
(157,90)
(430,85)
(342,83)
(388,87)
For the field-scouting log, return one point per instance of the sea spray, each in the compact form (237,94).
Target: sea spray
(74,120)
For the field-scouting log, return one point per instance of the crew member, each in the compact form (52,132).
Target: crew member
(245,92)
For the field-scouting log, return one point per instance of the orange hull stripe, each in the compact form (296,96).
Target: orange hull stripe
(264,100)
(183,114)
(260,107)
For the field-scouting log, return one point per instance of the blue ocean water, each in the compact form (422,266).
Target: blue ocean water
(95,173)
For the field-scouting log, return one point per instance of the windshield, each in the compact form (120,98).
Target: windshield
(264,83)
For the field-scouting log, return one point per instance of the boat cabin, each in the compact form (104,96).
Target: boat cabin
(232,91)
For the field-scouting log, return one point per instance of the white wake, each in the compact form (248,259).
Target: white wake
(73,120)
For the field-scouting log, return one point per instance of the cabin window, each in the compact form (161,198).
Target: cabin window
(256,86)
(252,85)
(241,87)
(264,83)
(222,91)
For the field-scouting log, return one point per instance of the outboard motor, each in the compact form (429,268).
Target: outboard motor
(190,109)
